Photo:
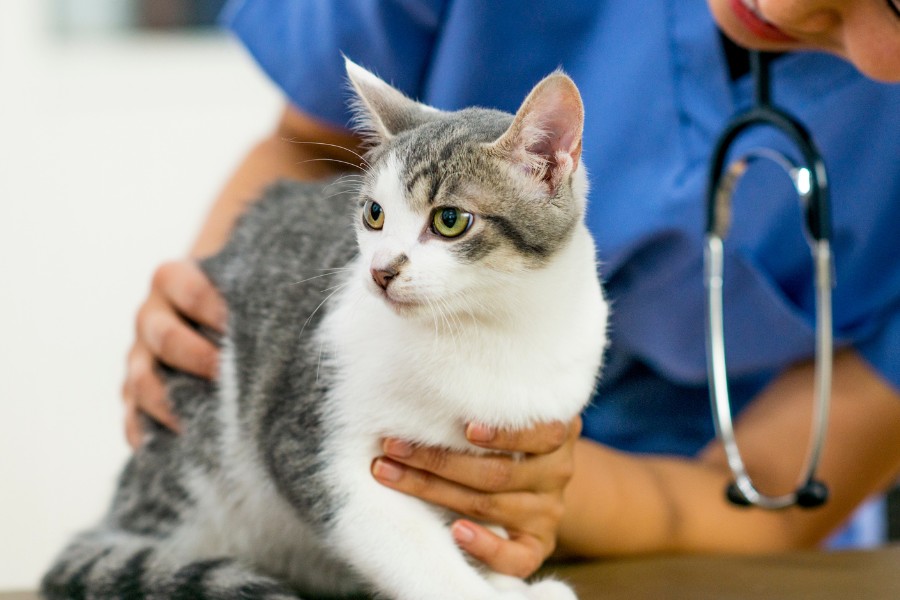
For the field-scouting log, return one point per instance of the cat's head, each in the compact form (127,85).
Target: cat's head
(457,206)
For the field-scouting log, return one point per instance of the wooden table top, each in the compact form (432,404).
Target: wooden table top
(869,575)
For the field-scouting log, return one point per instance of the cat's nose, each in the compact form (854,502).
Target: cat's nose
(383,276)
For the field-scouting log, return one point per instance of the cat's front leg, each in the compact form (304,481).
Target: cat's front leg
(546,589)
(402,545)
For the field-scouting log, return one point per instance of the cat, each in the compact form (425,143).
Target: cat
(462,287)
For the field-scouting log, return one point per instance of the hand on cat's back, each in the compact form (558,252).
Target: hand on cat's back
(179,294)
(523,495)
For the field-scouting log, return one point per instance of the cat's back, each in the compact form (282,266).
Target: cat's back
(217,481)
(285,256)
(295,229)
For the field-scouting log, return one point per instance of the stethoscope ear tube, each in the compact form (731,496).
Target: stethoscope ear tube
(810,182)
(813,183)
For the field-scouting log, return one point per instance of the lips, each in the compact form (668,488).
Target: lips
(747,12)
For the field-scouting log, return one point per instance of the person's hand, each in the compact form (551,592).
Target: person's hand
(179,293)
(524,496)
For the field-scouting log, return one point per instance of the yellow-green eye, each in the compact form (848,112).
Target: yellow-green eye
(451,222)
(373,214)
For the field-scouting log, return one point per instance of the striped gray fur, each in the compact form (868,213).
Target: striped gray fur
(294,233)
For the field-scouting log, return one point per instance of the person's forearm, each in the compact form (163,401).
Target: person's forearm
(636,504)
(265,163)
(623,504)
(298,149)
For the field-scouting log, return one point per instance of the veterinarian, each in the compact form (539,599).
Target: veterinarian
(642,472)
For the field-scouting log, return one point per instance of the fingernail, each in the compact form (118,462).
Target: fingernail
(462,533)
(480,433)
(387,471)
(397,448)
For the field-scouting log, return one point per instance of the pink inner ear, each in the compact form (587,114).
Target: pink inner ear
(544,139)
(557,114)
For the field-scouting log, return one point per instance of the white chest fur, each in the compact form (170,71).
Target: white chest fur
(423,381)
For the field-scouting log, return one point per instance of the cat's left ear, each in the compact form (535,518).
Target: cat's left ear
(544,139)
(382,111)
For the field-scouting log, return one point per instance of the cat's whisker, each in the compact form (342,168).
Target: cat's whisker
(438,319)
(319,357)
(311,278)
(353,189)
(352,179)
(334,287)
(448,326)
(456,333)
(350,175)
(334,160)
(354,153)
(468,310)
(335,195)
(456,325)
(435,318)
(358,296)
(316,309)
(322,349)
(446,319)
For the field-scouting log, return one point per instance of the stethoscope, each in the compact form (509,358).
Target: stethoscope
(810,182)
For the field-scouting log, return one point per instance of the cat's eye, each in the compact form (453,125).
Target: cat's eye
(451,222)
(373,215)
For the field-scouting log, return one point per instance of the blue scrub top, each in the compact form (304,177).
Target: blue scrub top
(657,92)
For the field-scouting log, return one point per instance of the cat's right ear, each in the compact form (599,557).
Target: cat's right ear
(382,111)
(544,139)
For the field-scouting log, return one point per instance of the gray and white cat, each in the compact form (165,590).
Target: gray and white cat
(466,292)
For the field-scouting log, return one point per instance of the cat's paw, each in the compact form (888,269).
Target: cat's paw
(507,583)
(550,589)
(510,595)
(510,588)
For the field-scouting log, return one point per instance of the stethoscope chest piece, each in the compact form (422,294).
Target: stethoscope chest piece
(810,183)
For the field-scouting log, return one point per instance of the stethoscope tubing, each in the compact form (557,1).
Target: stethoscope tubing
(810,182)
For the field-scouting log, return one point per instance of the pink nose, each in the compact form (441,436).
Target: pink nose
(383,276)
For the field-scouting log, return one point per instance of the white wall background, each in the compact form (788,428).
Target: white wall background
(110,151)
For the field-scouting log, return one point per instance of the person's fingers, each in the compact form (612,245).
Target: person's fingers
(520,556)
(134,433)
(192,294)
(522,491)
(175,343)
(541,438)
(145,392)
(509,510)
(179,293)
(488,473)
(532,519)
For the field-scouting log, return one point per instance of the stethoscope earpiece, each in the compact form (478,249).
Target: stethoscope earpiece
(812,495)
(736,496)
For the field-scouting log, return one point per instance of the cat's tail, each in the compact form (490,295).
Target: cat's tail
(122,566)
